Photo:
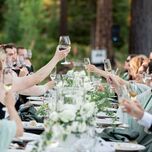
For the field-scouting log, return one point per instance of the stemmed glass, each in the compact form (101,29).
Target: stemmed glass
(107,65)
(123,95)
(29,54)
(87,62)
(131,91)
(53,73)
(7,79)
(64,43)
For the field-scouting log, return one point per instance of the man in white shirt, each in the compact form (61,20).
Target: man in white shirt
(135,110)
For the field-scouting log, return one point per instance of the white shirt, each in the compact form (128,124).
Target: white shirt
(146,120)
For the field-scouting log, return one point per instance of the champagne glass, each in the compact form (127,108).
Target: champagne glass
(53,74)
(107,65)
(122,96)
(87,62)
(7,79)
(131,91)
(29,54)
(64,43)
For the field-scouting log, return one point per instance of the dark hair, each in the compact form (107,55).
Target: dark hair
(9,46)
(20,48)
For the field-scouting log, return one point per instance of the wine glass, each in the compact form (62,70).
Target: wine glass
(131,91)
(87,62)
(53,74)
(7,79)
(29,54)
(123,95)
(64,43)
(107,65)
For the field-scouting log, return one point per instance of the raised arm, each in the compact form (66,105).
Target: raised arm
(94,69)
(9,102)
(37,90)
(21,83)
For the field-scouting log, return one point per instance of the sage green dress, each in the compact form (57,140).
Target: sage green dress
(7,133)
(145,98)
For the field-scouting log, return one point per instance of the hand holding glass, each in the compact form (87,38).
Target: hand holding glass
(64,43)
(107,65)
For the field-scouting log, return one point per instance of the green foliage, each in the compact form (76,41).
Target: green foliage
(34,24)
(121,17)
(12,20)
(30,17)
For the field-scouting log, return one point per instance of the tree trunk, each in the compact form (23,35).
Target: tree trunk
(63,17)
(103,26)
(141,27)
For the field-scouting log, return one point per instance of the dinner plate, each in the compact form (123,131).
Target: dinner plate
(27,137)
(28,125)
(127,146)
(107,122)
(103,115)
(37,103)
(36,98)
(110,109)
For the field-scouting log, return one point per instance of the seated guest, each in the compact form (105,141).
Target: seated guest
(21,83)
(135,110)
(10,128)
(22,53)
(144,96)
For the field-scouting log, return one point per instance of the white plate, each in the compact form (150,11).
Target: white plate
(28,137)
(127,146)
(110,109)
(37,103)
(36,98)
(103,115)
(27,125)
(107,121)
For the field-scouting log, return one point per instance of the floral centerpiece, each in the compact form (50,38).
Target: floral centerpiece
(67,119)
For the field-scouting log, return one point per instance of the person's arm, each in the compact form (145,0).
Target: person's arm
(9,102)
(21,83)
(105,74)
(146,120)
(37,90)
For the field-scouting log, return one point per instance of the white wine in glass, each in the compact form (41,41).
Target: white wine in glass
(107,65)
(64,43)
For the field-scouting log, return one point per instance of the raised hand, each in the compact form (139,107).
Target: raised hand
(134,109)
(59,55)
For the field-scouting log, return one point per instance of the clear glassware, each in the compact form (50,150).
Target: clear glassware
(131,91)
(53,74)
(29,54)
(86,61)
(107,65)
(64,43)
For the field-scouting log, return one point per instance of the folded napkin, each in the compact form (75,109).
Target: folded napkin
(28,113)
(118,134)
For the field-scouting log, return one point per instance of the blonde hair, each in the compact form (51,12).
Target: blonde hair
(135,63)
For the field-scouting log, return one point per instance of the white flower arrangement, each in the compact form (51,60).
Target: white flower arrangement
(69,119)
